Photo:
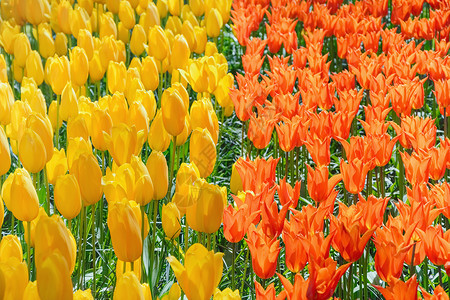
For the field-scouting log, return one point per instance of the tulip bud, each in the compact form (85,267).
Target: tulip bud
(123,142)
(128,287)
(202,115)
(197,7)
(59,74)
(138,40)
(79,20)
(13,279)
(113,6)
(90,185)
(158,138)
(6,104)
(10,247)
(117,74)
(125,231)
(235,181)
(24,203)
(77,127)
(53,278)
(201,38)
(144,190)
(158,171)
(67,196)
(150,69)
(202,151)
(86,42)
(96,70)
(3,70)
(32,152)
(171,220)
(57,166)
(126,15)
(214,23)
(5,156)
(79,66)
(83,295)
(46,43)
(174,25)
(61,44)
(100,122)
(64,11)
(138,117)
(118,109)
(173,111)
(107,27)
(150,17)
(158,44)
(180,53)
(22,48)
(34,68)
(69,103)
(163,8)
(8,35)
(31,291)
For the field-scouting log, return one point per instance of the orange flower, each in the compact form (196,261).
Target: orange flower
(372,211)
(272,220)
(438,294)
(417,166)
(382,146)
(269,293)
(399,290)
(442,92)
(252,64)
(260,129)
(440,195)
(255,174)
(298,290)
(319,186)
(287,134)
(319,150)
(437,245)
(287,194)
(264,252)
(416,132)
(438,162)
(236,222)
(296,256)
(354,175)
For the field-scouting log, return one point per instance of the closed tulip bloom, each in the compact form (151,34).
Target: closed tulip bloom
(59,74)
(113,6)
(123,33)
(10,247)
(60,44)
(180,53)
(158,138)
(33,224)
(79,66)
(53,277)
(125,231)
(123,142)
(32,95)
(77,127)
(34,68)
(138,40)
(158,171)
(202,115)
(64,12)
(57,166)
(22,48)
(128,287)
(126,14)
(69,103)
(163,8)
(149,18)
(144,190)
(79,19)
(100,122)
(158,43)
(90,185)
(51,236)
(83,295)
(187,30)
(197,7)
(67,196)
(206,214)
(86,42)
(31,291)
(214,23)
(32,151)
(8,35)
(46,42)
(226,294)
(96,70)
(171,220)
(6,104)
(5,156)
(24,203)
(150,69)
(201,272)
(13,279)
(42,126)
(175,7)
(117,74)
(108,27)
(147,98)
(235,181)
(202,151)
(201,38)
(173,112)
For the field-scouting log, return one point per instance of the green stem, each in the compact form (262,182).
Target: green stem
(286,165)
(85,233)
(142,236)
(233,267)
(208,241)
(172,161)
(369,183)
(58,100)
(244,277)
(47,203)
(186,237)
(80,243)
(425,272)
(94,254)
(366,264)
(411,266)
(155,215)
(29,248)
(350,283)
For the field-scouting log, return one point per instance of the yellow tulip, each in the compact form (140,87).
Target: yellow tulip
(201,38)
(174,25)
(8,34)
(64,12)
(34,68)
(173,111)
(69,103)
(150,17)
(158,43)
(61,44)
(222,91)
(79,20)
(128,287)
(24,203)
(32,152)
(3,69)
(42,126)
(187,30)
(235,181)
(100,122)
(126,14)
(123,267)
(56,166)
(107,26)
(118,109)
(138,40)
(214,23)
(186,176)
(158,138)
(117,74)
(31,291)
(59,73)
(137,116)
(53,277)
(10,247)
(52,236)
(22,48)
(125,231)
(210,49)
(83,295)
(79,66)
(87,5)
(33,225)
(46,43)
(5,156)
(180,53)
(202,115)
(197,7)
(123,33)
(201,272)
(32,95)
(175,7)
(150,69)
(76,147)
(113,6)
(14,274)
(171,220)
(89,177)
(77,127)
(226,294)
(163,8)
(6,104)
(67,196)
(198,76)
(158,170)
(202,151)
(86,42)
(123,142)
(96,70)
(147,98)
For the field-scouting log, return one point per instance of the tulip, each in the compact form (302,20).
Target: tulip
(128,287)
(201,272)
(64,12)
(126,14)
(18,71)
(151,78)
(125,231)
(33,67)
(173,25)
(33,96)
(24,203)
(32,152)
(214,23)
(53,277)
(69,103)
(144,190)
(205,215)
(171,220)
(60,44)
(57,166)
(158,138)
(10,247)
(33,224)
(116,77)
(59,74)
(31,291)
(67,196)
(107,27)
(158,46)
(202,115)
(202,151)
(77,127)
(163,8)
(79,20)
(123,142)
(6,104)
(90,186)
(173,112)
(123,33)
(79,66)
(21,49)
(13,279)
(138,40)
(5,156)
(100,122)
(9,32)
(86,42)
(158,171)
(96,69)
(226,294)
(83,295)
(197,7)
(109,51)
(180,53)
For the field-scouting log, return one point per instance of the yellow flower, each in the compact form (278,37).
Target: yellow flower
(158,43)
(158,138)
(5,156)
(67,196)
(56,166)
(117,74)
(171,220)
(79,66)
(226,294)
(10,247)
(157,168)
(83,295)
(13,278)
(89,177)
(123,142)
(128,287)
(23,199)
(59,73)
(34,68)
(138,40)
(173,111)
(31,291)
(201,272)
(126,14)
(22,48)
(53,277)
(46,42)
(150,69)
(180,52)
(202,151)
(6,104)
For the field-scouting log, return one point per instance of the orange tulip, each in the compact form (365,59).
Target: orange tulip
(399,290)
(319,186)
(354,175)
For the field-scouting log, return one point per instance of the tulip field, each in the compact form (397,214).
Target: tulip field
(224,149)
